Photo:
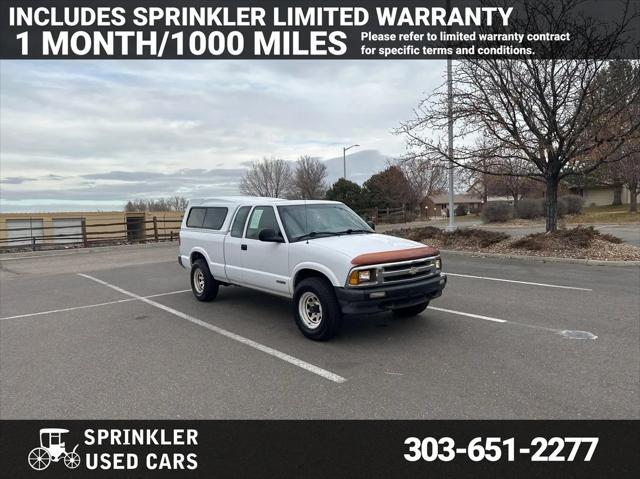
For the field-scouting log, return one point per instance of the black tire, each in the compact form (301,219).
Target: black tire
(330,319)
(410,311)
(204,287)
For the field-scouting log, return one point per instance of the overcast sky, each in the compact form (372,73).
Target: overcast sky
(84,135)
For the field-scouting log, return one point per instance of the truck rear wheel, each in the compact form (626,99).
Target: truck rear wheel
(203,285)
(411,310)
(316,309)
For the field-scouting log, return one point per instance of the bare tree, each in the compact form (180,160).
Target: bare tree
(626,170)
(629,172)
(538,111)
(271,177)
(508,175)
(425,177)
(176,203)
(309,178)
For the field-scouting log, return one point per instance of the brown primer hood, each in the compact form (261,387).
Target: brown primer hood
(394,256)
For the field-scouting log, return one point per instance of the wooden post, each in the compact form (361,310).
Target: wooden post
(171,233)
(33,243)
(85,241)
(155,228)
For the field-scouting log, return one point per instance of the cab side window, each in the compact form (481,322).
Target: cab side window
(262,217)
(239,221)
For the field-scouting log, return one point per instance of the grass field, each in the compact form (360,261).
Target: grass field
(605,214)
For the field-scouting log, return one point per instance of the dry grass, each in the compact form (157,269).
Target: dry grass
(605,214)
(590,215)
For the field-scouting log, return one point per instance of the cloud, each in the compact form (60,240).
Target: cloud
(15,180)
(84,127)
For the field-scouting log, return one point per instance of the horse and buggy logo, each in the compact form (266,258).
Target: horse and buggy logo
(53,449)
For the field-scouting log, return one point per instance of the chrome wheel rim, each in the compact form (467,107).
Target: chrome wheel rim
(198,281)
(310,310)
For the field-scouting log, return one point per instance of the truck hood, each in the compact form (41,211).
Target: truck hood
(374,248)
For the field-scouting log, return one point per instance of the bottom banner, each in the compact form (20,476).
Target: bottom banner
(319,449)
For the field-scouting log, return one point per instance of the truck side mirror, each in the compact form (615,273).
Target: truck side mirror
(372,225)
(269,235)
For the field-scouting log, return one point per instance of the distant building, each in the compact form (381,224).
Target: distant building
(601,195)
(437,205)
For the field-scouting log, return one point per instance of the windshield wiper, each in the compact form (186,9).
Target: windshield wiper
(313,234)
(351,231)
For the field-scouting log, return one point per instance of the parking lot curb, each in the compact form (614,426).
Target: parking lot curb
(542,259)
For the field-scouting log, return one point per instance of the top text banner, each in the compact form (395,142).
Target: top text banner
(333,30)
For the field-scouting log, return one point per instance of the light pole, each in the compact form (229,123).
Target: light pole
(452,225)
(344,159)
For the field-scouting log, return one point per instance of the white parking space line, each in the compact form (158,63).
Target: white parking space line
(563,332)
(470,315)
(236,337)
(518,282)
(74,308)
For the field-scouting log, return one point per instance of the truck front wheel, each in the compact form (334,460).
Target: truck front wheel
(203,285)
(411,310)
(316,309)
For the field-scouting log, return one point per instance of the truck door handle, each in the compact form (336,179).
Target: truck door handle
(243,247)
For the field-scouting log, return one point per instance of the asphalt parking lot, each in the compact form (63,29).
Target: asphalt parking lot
(116,333)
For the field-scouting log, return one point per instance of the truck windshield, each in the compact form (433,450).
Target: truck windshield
(316,220)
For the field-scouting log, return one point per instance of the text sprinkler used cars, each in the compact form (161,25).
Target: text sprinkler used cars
(319,253)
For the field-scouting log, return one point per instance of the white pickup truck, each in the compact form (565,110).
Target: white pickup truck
(319,253)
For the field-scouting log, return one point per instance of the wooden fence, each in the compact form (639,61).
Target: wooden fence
(387,215)
(131,230)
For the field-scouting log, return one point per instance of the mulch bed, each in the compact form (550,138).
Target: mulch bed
(580,242)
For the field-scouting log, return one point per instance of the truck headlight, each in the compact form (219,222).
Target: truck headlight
(438,263)
(362,276)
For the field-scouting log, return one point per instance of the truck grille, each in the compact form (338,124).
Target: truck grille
(409,271)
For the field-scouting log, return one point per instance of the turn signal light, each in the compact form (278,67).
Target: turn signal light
(438,263)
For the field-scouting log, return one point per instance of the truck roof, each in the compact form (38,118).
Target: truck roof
(252,200)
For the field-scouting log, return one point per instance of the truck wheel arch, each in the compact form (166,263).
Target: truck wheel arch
(197,254)
(311,272)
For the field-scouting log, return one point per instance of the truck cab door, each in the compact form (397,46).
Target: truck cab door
(233,249)
(265,264)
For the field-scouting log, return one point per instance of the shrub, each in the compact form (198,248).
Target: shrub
(465,237)
(528,208)
(472,237)
(410,216)
(534,242)
(578,237)
(609,238)
(461,210)
(496,212)
(416,234)
(562,207)
(571,204)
